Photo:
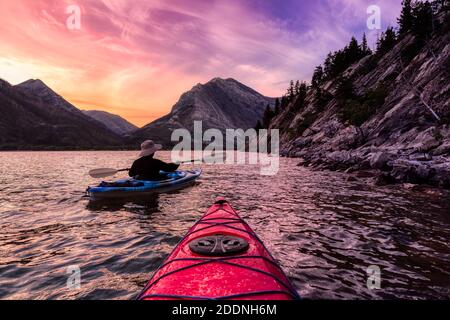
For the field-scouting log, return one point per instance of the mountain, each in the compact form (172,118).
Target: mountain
(387,114)
(35,117)
(114,122)
(220,104)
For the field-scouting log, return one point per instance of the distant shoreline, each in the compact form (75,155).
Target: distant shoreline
(44,149)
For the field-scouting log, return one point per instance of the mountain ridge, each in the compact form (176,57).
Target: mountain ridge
(219,104)
(112,121)
(34,117)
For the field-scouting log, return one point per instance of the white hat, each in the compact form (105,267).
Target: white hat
(149,147)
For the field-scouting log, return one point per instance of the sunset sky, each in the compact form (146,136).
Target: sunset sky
(135,58)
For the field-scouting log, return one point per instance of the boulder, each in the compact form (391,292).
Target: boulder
(426,140)
(441,174)
(443,149)
(381,160)
(420,157)
(410,171)
(348,138)
(384,178)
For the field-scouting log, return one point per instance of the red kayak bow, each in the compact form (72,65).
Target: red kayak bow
(220,258)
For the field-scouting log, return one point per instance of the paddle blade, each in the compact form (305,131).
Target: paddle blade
(102,172)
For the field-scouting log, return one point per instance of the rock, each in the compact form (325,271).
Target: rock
(443,149)
(410,171)
(400,137)
(302,142)
(339,157)
(347,139)
(410,186)
(421,157)
(426,140)
(331,128)
(301,163)
(384,179)
(441,174)
(366,174)
(381,160)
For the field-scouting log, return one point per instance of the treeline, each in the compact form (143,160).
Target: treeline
(417,18)
(295,89)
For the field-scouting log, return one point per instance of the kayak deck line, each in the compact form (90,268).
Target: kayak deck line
(271,283)
(224,261)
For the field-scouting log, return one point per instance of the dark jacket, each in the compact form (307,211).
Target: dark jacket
(148,168)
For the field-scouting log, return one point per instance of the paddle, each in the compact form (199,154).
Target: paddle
(107,172)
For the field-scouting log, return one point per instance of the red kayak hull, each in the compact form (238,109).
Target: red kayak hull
(250,275)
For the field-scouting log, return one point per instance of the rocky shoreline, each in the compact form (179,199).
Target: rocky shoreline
(423,161)
(404,136)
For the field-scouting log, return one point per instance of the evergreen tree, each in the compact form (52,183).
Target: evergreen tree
(405,21)
(328,65)
(291,90)
(353,52)
(344,89)
(317,78)
(365,50)
(297,87)
(387,41)
(422,24)
(301,97)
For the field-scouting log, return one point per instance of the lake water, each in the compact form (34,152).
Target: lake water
(324,230)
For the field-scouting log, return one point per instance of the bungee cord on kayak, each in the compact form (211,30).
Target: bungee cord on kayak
(187,274)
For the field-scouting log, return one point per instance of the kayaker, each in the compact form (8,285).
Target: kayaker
(147,167)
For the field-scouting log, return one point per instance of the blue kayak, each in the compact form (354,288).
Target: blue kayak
(133,188)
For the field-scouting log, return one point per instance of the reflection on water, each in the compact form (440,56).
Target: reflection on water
(324,230)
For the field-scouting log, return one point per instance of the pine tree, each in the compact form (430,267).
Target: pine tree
(291,90)
(344,89)
(317,78)
(365,50)
(297,87)
(405,21)
(353,52)
(422,24)
(328,65)
(387,41)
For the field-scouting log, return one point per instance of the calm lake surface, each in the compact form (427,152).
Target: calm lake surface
(324,230)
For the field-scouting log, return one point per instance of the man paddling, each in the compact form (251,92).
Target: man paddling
(147,167)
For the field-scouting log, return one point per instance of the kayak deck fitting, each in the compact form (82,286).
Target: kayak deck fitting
(133,188)
(220,258)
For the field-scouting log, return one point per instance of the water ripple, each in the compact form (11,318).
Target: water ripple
(324,230)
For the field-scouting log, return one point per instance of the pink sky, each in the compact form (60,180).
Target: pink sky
(135,58)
